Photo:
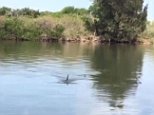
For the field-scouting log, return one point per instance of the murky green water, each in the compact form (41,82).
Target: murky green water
(102,80)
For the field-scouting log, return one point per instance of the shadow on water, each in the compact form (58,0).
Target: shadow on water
(120,71)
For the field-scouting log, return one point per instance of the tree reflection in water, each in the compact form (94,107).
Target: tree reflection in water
(120,70)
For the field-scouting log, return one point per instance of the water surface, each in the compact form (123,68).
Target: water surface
(102,79)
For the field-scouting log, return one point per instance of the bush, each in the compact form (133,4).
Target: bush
(13,28)
(57,31)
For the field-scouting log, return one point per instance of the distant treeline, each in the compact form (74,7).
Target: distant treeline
(18,12)
(5,11)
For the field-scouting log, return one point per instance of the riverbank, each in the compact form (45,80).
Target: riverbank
(86,39)
(29,25)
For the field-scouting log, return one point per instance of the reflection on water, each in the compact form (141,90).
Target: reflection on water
(120,71)
(75,79)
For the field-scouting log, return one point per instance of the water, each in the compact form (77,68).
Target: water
(102,79)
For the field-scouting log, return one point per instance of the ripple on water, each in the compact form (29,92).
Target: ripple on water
(102,79)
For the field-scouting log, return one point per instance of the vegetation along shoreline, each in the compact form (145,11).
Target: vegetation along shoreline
(102,22)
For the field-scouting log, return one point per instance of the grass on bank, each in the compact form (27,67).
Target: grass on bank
(33,28)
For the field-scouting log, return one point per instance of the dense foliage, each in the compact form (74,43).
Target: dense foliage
(113,20)
(22,28)
(28,24)
(119,19)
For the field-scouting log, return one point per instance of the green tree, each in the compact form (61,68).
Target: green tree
(13,28)
(119,19)
(72,10)
(26,12)
(68,10)
(4,10)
